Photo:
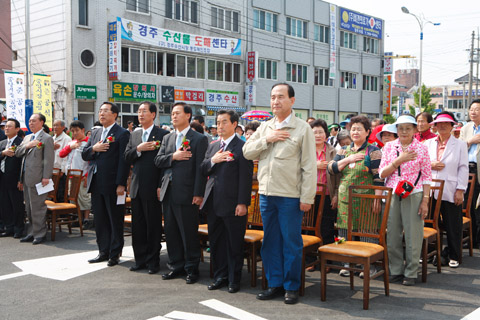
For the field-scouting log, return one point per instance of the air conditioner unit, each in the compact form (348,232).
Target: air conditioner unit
(161,108)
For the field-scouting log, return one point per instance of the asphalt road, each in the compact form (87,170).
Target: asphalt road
(29,289)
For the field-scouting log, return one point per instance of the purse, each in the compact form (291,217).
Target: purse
(404,188)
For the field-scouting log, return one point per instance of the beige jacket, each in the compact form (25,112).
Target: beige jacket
(285,168)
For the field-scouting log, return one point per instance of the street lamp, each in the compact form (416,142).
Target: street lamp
(421,22)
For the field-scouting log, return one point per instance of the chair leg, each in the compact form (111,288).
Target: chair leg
(253,282)
(439,253)
(54,220)
(366,284)
(323,276)
(386,281)
(470,249)
(424,259)
(264,278)
(351,277)
(302,278)
(80,221)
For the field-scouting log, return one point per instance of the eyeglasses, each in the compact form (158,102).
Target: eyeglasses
(405,129)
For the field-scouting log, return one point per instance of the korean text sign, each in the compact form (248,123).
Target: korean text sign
(360,23)
(222,98)
(123,91)
(114,51)
(15,96)
(42,97)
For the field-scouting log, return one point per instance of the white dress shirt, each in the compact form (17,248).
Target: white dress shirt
(62,139)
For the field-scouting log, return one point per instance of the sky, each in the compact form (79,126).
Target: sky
(445,47)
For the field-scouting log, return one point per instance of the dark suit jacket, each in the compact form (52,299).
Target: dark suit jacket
(13,165)
(146,177)
(112,170)
(230,182)
(2,135)
(187,179)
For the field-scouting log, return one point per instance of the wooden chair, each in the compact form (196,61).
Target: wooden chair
(67,212)
(312,223)
(371,225)
(52,195)
(253,236)
(431,233)
(467,220)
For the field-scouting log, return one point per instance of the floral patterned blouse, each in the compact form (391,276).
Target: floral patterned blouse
(409,170)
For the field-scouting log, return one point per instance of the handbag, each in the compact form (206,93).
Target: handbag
(404,188)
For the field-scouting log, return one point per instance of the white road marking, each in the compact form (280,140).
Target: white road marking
(230,310)
(191,316)
(65,267)
(473,315)
(158,318)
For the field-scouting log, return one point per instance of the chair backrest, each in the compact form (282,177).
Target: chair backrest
(468,204)
(56,175)
(254,214)
(312,220)
(368,206)
(433,213)
(72,187)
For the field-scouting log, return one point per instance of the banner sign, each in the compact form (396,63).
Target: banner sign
(333,42)
(123,91)
(387,94)
(135,31)
(328,116)
(252,66)
(460,92)
(42,97)
(114,51)
(250,95)
(86,92)
(388,67)
(167,94)
(222,98)
(189,94)
(360,23)
(15,96)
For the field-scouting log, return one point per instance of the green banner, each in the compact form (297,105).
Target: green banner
(86,92)
(123,91)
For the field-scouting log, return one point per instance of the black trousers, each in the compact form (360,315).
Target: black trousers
(329,216)
(226,237)
(181,233)
(61,188)
(451,222)
(13,207)
(474,213)
(146,231)
(108,218)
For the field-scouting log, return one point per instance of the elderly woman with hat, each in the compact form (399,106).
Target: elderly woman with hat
(388,133)
(450,163)
(406,167)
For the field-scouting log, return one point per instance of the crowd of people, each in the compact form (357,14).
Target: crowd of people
(176,174)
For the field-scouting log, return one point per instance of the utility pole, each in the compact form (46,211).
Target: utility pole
(470,76)
(478,59)
(28,68)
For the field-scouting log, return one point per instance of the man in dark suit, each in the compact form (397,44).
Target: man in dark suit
(37,167)
(107,180)
(227,196)
(183,186)
(145,190)
(13,208)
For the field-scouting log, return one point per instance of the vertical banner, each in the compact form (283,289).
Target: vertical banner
(42,97)
(252,66)
(114,51)
(333,42)
(387,93)
(388,63)
(250,95)
(15,96)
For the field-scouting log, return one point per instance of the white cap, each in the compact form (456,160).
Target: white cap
(405,119)
(392,128)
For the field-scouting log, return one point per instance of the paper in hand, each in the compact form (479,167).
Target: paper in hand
(44,189)
(121,199)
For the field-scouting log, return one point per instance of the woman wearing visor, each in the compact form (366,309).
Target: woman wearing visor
(406,167)
(450,163)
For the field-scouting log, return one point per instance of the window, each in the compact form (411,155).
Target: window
(297,73)
(125,59)
(180,66)
(370,45)
(183,10)
(265,20)
(267,69)
(191,67)
(296,28)
(228,71)
(223,71)
(87,58)
(225,19)
(321,33)
(236,72)
(150,62)
(83,12)
(322,77)
(348,40)
(135,60)
(141,6)
(348,80)
(160,70)
(370,83)
(170,65)
(200,68)
(219,71)
(211,70)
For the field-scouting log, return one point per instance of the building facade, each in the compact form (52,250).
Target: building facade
(332,56)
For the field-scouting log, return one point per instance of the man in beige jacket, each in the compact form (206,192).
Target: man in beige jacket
(287,176)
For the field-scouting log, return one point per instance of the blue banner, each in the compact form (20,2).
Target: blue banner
(360,23)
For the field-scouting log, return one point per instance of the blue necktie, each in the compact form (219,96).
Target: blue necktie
(145,136)
(179,140)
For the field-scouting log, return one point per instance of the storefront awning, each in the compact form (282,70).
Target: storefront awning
(215,108)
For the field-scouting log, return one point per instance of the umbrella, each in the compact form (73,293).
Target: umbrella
(256,115)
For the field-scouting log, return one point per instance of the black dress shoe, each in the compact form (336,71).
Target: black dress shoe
(219,283)
(172,274)
(233,287)
(138,267)
(100,258)
(291,296)
(270,293)
(6,234)
(153,270)
(192,278)
(39,240)
(28,238)
(17,235)
(113,261)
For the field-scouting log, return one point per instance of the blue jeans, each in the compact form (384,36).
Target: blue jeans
(282,247)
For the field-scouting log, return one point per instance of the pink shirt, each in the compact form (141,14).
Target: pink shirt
(409,170)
